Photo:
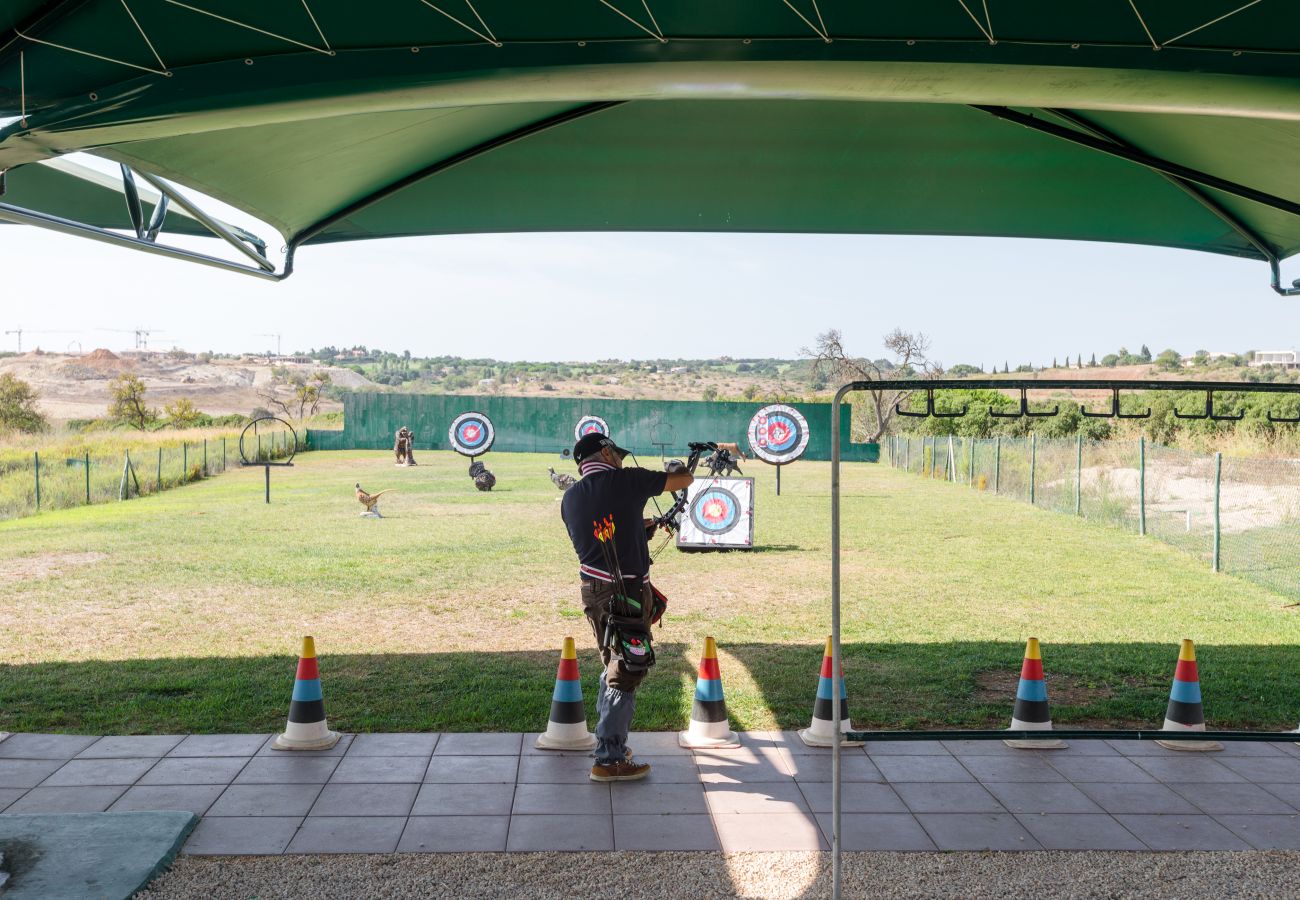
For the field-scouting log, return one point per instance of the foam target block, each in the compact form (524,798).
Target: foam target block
(719,515)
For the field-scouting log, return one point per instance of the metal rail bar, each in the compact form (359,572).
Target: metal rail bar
(207,221)
(1069,384)
(1078,734)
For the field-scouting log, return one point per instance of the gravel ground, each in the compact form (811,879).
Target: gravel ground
(704,875)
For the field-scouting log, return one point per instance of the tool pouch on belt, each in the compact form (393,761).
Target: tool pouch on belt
(627,631)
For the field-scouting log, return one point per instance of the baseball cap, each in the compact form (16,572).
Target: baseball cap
(591,444)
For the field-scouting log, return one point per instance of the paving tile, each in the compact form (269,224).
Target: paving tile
(471,769)
(99,771)
(219,745)
(530,748)
(577,799)
(772,832)
(288,770)
(340,748)
(1246,799)
(265,800)
(760,738)
(1029,767)
(393,745)
(26,773)
(484,744)
(747,765)
(791,742)
(260,836)
(1136,799)
(1265,832)
(379,770)
(198,770)
(1252,748)
(454,834)
(1080,747)
(365,800)
(347,834)
(767,799)
(644,798)
(855,797)
(938,797)
(922,768)
(44,746)
(9,795)
(443,800)
(660,832)
(131,745)
(554,769)
(561,832)
(853,767)
(81,799)
(1273,769)
(1194,768)
(1287,793)
(981,748)
(1178,832)
(195,798)
(1144,748)
(977,831)
(656,743)
(877,831)
(906,748)
(1041,797)
(1112,769)
(671,769)
(1079,831)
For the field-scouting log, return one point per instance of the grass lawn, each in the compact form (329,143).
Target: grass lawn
(182,611)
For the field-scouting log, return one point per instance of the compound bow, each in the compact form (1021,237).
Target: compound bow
(670,521)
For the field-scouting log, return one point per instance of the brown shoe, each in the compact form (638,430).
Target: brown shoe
(623,770)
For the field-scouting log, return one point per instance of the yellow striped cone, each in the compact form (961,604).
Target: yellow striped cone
(306,729)
(821,733)
(567,727)
(1030,712)
(708,726)
(1185,712)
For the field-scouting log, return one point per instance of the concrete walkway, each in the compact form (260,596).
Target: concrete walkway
(379,793)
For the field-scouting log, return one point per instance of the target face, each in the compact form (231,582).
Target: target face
(778,434)
(719,513)
(590,425)
(471,434)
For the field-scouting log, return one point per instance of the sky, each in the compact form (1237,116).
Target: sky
(595,296)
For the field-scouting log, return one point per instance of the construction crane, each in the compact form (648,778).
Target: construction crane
(277,341)
(141,335)
(20,331)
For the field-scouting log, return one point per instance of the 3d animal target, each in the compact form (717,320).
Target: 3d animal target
(719,515)
(471,434)
(590,425)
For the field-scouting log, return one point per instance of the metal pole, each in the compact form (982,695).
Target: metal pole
(778,479)
(185,462)
(36,458)
(87,477)
(205,456)
(997,465)
(835,639)
(1218,534)
(1033,464)
(1142,485)
(970,474)
(160,468)
(223,454)
(267,469)
(1078,475)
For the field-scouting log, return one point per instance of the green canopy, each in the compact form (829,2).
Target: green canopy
(1152,122)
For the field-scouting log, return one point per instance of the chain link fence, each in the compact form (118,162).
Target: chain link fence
(1240,516)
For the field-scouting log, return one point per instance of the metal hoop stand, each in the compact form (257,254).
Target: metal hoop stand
(266,464)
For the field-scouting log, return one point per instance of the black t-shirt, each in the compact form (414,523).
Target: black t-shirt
(621,493)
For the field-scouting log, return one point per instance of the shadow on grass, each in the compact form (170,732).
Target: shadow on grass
(956,684)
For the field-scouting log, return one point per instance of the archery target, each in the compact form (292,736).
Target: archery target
(590,425)
(719,513)
(778,434)
(471,434)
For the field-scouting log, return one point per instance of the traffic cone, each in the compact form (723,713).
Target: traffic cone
(821,733)
(567,728)
(1185,712)
(708,727)
(306,729)
(1031,712)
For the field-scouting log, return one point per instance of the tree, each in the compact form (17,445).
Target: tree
(710,394)
(1006,368)
(909,354)
(750,392)
(18,410)
(308,392)
(1080,360)
(127,405)
(1093,362)
(1144,355)
(1055,366)
(1169,359)
(181,413)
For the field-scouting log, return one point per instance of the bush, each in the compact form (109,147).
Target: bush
(18,410)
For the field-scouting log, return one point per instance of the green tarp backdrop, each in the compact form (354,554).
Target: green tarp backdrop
(545,424)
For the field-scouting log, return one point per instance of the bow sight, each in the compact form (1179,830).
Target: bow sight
(669,520)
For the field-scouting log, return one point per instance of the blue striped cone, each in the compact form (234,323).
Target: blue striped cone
(567,727)
(821,733)
(708,726)
(1031,711)
(306,729)
(1185,712)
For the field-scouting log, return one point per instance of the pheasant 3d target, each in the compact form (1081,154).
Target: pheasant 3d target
(590,425)
(778,434)
(719,514)
(471,434)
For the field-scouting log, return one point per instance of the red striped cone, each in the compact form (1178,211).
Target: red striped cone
(821,733)
(1031,712)
(1185,712)
(306,729)
(567,728)
(708,726)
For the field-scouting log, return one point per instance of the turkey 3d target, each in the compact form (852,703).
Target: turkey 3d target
(719,515)
(590,425)
(471,434)
(778,434)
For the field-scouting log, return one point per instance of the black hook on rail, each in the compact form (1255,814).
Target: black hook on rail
(1209,412)
(1114,412)
(1283,419)
(930,411)
(1023,411)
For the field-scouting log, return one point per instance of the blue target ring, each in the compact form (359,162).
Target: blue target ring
(715,510)
(471,434)
(782,431)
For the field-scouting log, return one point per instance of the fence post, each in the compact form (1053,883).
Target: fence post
(87,477)
(36,459)
(160,469)
(185,462)
(1078,475)
(1142,485)
(1033,464)
(997,465)
(970,474)
(205,456)
(1218,534)
(223,453)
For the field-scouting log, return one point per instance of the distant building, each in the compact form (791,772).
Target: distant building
(1210,356)
(1287,359)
